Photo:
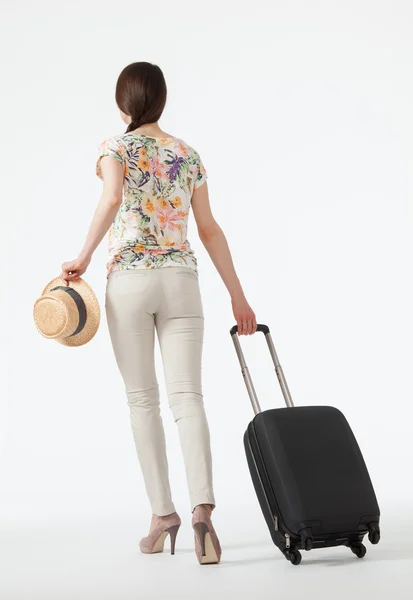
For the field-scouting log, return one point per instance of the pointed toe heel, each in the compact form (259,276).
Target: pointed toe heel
(155,541)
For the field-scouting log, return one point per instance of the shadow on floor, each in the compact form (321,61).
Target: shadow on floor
(374,554)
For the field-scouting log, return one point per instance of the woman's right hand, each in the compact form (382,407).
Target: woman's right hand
(73,269)
(244,315)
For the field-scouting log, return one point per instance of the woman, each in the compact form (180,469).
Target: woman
(151,179)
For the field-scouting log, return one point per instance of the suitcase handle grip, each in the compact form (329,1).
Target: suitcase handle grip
(264,328)
(245,372)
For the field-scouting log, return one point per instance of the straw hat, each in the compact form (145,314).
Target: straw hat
(68,314)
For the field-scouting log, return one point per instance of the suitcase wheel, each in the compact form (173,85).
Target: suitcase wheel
(294,556)
(306,539)
(358,549)
(374,533)
(308,544)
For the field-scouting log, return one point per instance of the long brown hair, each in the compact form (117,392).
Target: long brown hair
(141,93)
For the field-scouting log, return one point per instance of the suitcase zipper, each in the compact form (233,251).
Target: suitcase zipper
(274,517)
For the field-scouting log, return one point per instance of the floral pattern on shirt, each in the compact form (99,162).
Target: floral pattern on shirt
(150,227)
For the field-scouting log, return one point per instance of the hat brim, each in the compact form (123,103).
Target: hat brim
(92,311)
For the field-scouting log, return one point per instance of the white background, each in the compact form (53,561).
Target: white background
(302,114)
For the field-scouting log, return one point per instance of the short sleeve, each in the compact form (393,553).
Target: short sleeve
(200,172)
(109,147)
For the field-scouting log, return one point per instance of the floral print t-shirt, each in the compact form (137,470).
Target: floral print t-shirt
(150,227)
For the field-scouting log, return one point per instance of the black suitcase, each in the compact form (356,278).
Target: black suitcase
(308,472)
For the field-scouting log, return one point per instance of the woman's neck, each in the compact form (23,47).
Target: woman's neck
(152,130)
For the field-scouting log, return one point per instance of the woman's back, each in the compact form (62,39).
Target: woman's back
(160,175)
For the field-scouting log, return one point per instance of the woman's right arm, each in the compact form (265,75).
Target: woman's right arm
(215,242)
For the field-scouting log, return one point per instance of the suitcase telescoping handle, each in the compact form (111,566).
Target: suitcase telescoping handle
(246,374)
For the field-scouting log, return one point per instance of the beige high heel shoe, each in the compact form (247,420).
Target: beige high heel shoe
(163,527)
(207,547)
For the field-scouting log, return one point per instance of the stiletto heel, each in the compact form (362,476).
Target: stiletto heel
(201,529)
(207,546)
(173,532)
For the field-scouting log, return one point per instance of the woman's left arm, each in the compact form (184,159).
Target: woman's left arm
(108,206)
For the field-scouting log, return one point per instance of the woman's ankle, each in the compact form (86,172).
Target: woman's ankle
(207,507)
(172,518)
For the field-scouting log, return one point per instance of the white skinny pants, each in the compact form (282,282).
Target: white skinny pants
(167,299)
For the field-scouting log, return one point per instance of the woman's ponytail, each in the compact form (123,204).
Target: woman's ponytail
(134,124)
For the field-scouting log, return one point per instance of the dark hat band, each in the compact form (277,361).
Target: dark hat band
(81,306)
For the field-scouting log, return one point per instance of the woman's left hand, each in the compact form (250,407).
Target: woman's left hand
(73,269)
